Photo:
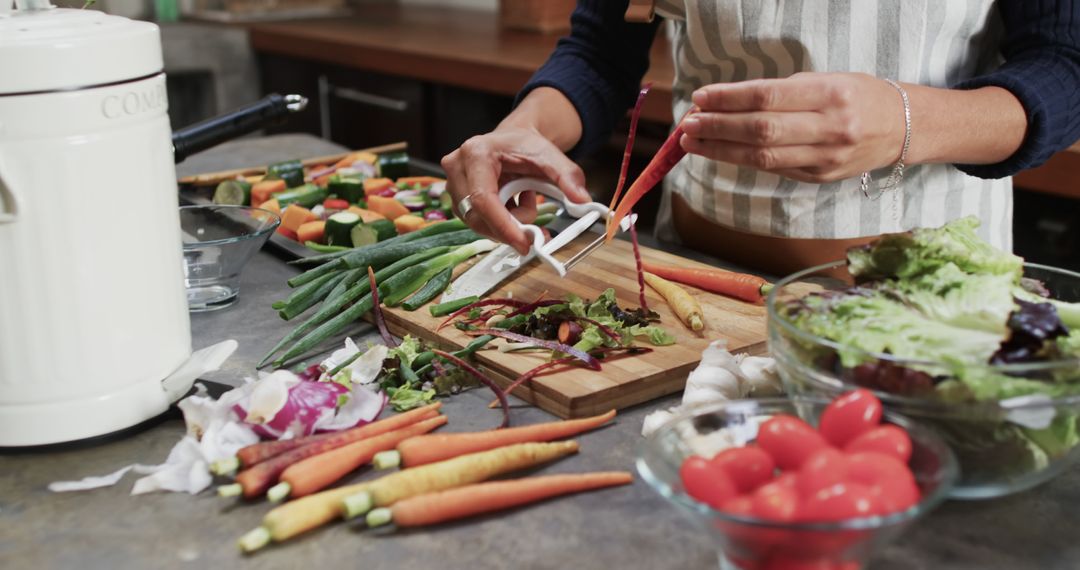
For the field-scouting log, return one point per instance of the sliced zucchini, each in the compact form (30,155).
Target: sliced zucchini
(339,227)
(349,189)
(292,172)
(307,196)
(393,165)
(233,193)
(362,235)
(385,229)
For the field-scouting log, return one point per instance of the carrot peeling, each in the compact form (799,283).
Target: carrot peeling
(738,285)
(630,136)
(472,500)
(483,379)
(377,311)
(426,449)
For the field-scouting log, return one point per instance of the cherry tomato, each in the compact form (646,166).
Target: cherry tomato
(891,480)
(742,505)
(706,482)
(789,440)
(749,467)
(849,416)
(776,502)
(887,439)
(742,563)
(840,502)
(787,563)
(788,479)
(823,469)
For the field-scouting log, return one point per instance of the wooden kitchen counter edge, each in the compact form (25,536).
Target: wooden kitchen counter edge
(450,46)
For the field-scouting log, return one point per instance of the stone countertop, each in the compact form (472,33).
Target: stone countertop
(627,528)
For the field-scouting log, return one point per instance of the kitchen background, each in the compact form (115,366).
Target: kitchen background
(435,72)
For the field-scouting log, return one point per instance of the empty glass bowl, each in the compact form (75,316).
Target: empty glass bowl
(747,543)
(1003,446)
(218,242)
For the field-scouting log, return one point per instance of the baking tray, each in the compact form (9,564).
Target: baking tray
(199,189)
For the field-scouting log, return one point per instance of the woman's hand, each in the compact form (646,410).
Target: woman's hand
(813,127)
(485,162)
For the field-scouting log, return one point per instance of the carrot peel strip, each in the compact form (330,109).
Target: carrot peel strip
(484,379)
(629,144)
(377,311)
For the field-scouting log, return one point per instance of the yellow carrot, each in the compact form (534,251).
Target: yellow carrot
(684,304)
(461,470)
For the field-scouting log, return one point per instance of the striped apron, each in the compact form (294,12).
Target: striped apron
(929,42)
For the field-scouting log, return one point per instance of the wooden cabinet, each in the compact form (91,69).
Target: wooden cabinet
(358,108)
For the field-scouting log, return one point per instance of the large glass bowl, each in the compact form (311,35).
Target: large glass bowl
(1003,446)
(219,241)
(746,543)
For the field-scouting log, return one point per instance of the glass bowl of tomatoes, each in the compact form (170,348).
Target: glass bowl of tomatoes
(780,494)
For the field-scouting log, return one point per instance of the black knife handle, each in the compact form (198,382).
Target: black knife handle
(268,111)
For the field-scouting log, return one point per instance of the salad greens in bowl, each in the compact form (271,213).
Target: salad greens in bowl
(952,332)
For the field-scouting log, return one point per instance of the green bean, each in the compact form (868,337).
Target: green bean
(443,309)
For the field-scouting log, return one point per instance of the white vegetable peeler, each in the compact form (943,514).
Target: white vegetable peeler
(587,214)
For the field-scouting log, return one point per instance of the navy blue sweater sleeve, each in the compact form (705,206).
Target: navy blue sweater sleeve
(1042,69)
(598,67)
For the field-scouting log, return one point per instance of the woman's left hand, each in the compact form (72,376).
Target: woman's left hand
(813,127)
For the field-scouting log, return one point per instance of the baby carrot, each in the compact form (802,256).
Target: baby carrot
(437,447)
(739,285)
(684,304)
(472,500)
(670,153)
(257,479)
(463,470)
(320,471)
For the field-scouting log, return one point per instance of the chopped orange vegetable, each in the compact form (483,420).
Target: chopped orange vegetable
(272,205)
(312,231)
(295,216)
(408,223)
(421,180)
(373,185)
(261,191)
(388,207)
(366,216)
(286,232)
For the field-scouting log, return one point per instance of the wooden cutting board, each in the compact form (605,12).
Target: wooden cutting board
(626,381)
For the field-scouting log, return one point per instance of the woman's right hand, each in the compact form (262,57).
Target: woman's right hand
(484,163)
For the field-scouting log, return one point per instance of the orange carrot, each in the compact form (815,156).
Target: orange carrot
(258,478)
(437,447)
(480,498)
(739,285)
(670,153)
(320,471)
(389,207)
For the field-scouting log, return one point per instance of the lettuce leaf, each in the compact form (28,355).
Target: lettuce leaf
(407,351)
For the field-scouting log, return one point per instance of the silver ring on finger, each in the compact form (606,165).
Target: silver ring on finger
(464,206)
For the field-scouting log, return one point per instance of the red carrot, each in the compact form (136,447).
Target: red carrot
(320,471)
(480,498)
(670,153)
(257,479)
(739,285)
(259,452)
(437,447)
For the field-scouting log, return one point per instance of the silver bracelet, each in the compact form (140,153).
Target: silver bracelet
(897,174)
